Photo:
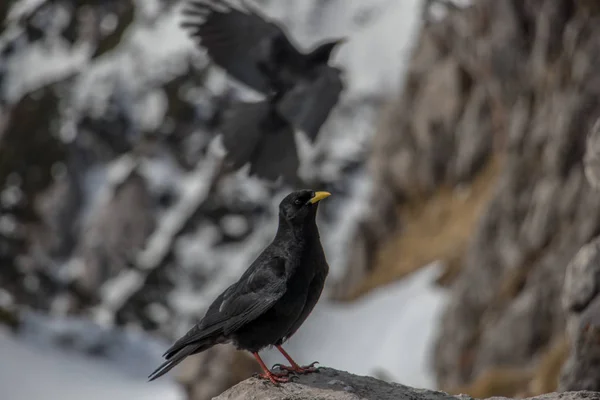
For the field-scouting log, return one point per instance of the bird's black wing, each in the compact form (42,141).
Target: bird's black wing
(239,41)
(253,133)
(201,331)
(308,104)
(256,291)
(196,340)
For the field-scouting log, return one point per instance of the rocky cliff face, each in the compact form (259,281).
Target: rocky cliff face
(581,302)
(481,158)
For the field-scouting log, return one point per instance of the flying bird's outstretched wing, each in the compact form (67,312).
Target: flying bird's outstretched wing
(242,42)
(256,292)
(254,133)
(308,104)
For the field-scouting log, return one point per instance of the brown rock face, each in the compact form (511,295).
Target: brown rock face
(581,301)
(511,83)
(506,303)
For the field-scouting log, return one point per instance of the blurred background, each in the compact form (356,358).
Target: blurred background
(461,233)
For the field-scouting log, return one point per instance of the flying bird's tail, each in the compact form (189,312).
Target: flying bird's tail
(255,133)
(241,130)
(308,104)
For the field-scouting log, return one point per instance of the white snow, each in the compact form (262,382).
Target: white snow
(379,33)
(59,62)
(388,333)
(40,373)
(35,367)
(340,234)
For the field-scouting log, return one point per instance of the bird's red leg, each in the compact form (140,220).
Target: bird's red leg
(294,366)
(267,374)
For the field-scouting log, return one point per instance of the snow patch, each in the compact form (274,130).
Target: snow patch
(46,362)
(388,333)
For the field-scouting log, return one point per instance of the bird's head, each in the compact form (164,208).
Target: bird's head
(322,53)
(298,206)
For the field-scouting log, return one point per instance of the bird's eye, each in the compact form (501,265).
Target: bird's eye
(298,202)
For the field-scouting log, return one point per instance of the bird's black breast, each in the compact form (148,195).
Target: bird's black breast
(289,312)
(320,270)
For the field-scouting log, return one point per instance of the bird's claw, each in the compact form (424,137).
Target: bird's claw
(310,367)
(274,378)
(298,369)
(284,372)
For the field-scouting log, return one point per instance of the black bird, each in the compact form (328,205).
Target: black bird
(255,133)
(270,301)
(301,88)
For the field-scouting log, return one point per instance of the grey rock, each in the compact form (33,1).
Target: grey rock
(328,384)
(331,384)
(581,302)
(582,369)
(591,160)
(471,153)
(582,279)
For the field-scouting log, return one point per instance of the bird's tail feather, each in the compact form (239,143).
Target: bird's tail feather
(178,357)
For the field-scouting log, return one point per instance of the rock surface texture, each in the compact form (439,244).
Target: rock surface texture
(330,384)
(581,300)
(504,90)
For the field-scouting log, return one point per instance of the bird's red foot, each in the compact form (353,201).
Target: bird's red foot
(298,369)
(275,377)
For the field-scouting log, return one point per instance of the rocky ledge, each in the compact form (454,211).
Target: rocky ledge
(331,384)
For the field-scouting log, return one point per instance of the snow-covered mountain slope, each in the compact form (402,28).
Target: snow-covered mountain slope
(152,80)
(43,372)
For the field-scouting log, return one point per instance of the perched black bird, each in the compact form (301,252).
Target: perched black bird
(272,298)
(301,88)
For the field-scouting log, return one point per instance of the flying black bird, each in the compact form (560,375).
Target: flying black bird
(301,88)
(275,295)
(255,133)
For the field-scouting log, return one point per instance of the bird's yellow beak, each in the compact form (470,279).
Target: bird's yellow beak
(319,196)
